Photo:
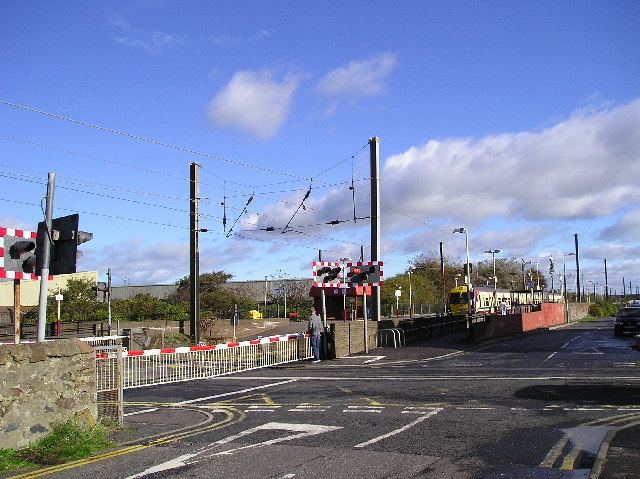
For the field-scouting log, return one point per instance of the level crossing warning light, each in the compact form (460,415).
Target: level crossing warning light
(365,273)
(17,253)
(327,274)
(65,238)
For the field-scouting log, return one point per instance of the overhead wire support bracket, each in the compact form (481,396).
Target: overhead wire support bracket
(301,205)
(244,210)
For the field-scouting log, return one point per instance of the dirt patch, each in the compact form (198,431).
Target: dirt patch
(222,331)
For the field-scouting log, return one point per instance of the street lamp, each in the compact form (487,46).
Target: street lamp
(537,276)
(398,293)
(410,291)
(493,253)
(594,290)
(467,277)
(456,278)
(344,289)
(524,281)
(564,272)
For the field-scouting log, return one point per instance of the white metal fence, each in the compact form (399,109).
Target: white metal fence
(162,366)
(96,341)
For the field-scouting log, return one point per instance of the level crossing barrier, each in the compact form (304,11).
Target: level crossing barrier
(168,365)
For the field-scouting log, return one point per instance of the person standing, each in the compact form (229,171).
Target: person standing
(314,329)
(503,307)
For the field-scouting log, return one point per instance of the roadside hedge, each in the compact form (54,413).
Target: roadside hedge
(601,309)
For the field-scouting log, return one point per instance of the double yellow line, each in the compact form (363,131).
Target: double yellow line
(231,416)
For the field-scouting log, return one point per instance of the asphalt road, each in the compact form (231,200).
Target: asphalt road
(533,406)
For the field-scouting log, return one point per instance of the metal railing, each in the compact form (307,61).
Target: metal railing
(162,366)
(395,333)
(104,340)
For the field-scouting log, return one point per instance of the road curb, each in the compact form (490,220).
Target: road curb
(598,464)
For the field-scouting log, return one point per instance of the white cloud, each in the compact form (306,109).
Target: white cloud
(587,166)
(151,41)
(626,228)
(358,79)
(135,262)
(254,102)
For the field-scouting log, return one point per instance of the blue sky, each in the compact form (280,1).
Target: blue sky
(519,121)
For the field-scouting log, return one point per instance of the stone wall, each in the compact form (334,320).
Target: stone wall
(44,383)
(347,337)
(577,311)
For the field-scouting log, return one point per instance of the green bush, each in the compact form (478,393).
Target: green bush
(601,309)
(67,441)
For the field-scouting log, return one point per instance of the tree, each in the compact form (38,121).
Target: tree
(216,301)
(144,307)
(79,304)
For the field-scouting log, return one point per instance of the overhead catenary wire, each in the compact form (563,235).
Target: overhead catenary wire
(132,136)
(319,184)
(350,157)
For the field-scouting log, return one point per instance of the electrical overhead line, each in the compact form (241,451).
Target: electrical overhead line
(93,213)
(146,140)
(350,157)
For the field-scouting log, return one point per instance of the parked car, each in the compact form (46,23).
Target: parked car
(294,316)
(627,321)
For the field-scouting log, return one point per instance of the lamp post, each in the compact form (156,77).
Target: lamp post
(564,273)
(467,280)
(493,253)
(524,281)
(410,291)
(467,276)
(344,289)
(537,276)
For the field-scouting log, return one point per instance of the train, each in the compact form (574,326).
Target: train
(486,300)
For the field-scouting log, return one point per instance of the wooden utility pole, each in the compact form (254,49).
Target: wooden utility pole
(17,310)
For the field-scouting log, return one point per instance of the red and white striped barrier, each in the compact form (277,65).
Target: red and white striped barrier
(167,365)
(210,347)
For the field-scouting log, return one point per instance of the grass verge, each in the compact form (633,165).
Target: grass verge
(67,441)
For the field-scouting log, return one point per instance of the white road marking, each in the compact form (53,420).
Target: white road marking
(259,410)
(435,378)
(570,341)
(550,356)
(299,430)
(583,409)
(398,431)
(308,410)
(362,410)
(375,358)
(476,408)
(233,393)
(141,412)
